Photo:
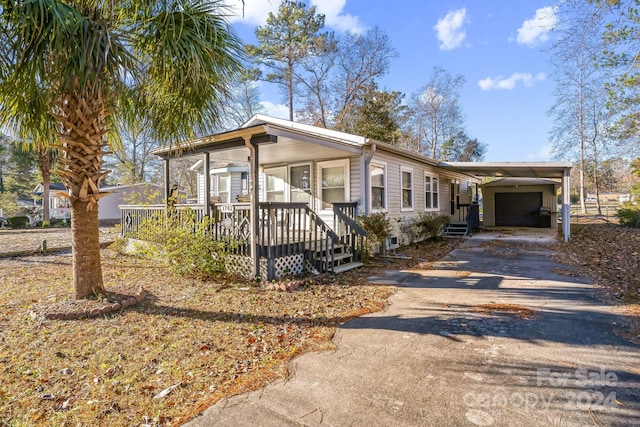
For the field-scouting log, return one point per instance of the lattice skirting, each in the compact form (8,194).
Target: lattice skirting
(239,264)
(286,265)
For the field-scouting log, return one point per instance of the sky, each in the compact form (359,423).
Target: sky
(498,46)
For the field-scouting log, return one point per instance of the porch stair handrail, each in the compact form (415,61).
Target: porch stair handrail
(289,228)
(351,234)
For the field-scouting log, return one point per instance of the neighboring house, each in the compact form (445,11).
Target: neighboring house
(310,185)
(108,206)
(142,193)
(59,207)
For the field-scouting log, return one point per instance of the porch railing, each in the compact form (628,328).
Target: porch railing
(351,235)
(294,229)
(283,229)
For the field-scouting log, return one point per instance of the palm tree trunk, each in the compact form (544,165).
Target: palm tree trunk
(85,241)
(81,143)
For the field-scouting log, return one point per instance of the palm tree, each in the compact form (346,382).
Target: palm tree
(90,63)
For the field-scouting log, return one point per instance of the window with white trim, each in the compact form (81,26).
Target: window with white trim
(431,193)
(220,185)
(333,182)
(406,184)
(378,186)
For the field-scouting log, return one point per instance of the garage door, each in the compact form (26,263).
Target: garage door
(518,209)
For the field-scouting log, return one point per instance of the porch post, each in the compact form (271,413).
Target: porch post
(167,187)
(207,186)
(566,204)
(254,190)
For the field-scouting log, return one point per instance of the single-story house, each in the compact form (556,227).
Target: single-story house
(292,192)
(108,207)
(140,193)
(59,207)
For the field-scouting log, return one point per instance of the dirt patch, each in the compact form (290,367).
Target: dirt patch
(519,311)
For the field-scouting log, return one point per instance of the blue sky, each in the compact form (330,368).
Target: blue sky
(498,46)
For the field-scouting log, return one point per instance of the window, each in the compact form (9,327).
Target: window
(431,193)
(378,184)
(275,187)
(220,186)
(406,175)
(333,180)
(300,178)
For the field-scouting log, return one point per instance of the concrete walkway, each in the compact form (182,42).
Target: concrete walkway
(432,359)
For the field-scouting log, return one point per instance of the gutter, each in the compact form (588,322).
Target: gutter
(367,178)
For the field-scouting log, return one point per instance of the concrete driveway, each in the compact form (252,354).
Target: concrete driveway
(435,357)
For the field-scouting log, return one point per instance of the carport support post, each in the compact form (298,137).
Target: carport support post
(566,204)
(167,188)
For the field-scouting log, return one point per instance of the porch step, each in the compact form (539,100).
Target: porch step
(455,229)
(346,267)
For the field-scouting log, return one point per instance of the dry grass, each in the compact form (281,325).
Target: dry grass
(188,344)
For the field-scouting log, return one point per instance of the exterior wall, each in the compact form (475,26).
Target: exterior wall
(108,207)
(393,188)
(488,201)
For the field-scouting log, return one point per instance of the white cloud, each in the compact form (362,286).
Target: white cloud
(510,82)
(450,29)
(536,30)
(543,153)
(335,18)
(255,11)
(280,111)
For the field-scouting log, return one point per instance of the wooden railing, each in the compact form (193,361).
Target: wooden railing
(292,229)
(351,235)
(283,229)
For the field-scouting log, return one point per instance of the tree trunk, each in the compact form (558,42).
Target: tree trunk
(44,164)
(85,240)
(81,142)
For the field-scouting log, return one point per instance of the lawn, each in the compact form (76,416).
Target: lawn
(189,342)
(186,345)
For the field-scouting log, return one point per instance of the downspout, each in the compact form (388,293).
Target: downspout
(253,190)
(367,179)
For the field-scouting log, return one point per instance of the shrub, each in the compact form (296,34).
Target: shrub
(430,225)
(184,243)
(629,215)
(377,227)
(18,221)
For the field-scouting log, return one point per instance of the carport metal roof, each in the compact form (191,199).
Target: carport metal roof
(511,169)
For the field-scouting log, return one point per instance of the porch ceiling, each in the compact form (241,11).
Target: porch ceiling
(510,169)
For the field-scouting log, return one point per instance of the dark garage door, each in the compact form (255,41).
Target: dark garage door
(518,209)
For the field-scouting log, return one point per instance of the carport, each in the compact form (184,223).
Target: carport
(557,171)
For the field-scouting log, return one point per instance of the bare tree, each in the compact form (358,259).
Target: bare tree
(578,86)
(362,58)
(435,111)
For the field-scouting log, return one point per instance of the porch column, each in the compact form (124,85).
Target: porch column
(566,204)
(167,188)
(207,185)
(254,190)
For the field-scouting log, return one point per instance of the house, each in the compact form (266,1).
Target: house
(108,207)
(292,192)
(59,207)
(117,195)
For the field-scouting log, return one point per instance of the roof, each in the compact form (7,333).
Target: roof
(511,169)
(514,182)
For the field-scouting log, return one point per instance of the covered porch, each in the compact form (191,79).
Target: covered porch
(279,197)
